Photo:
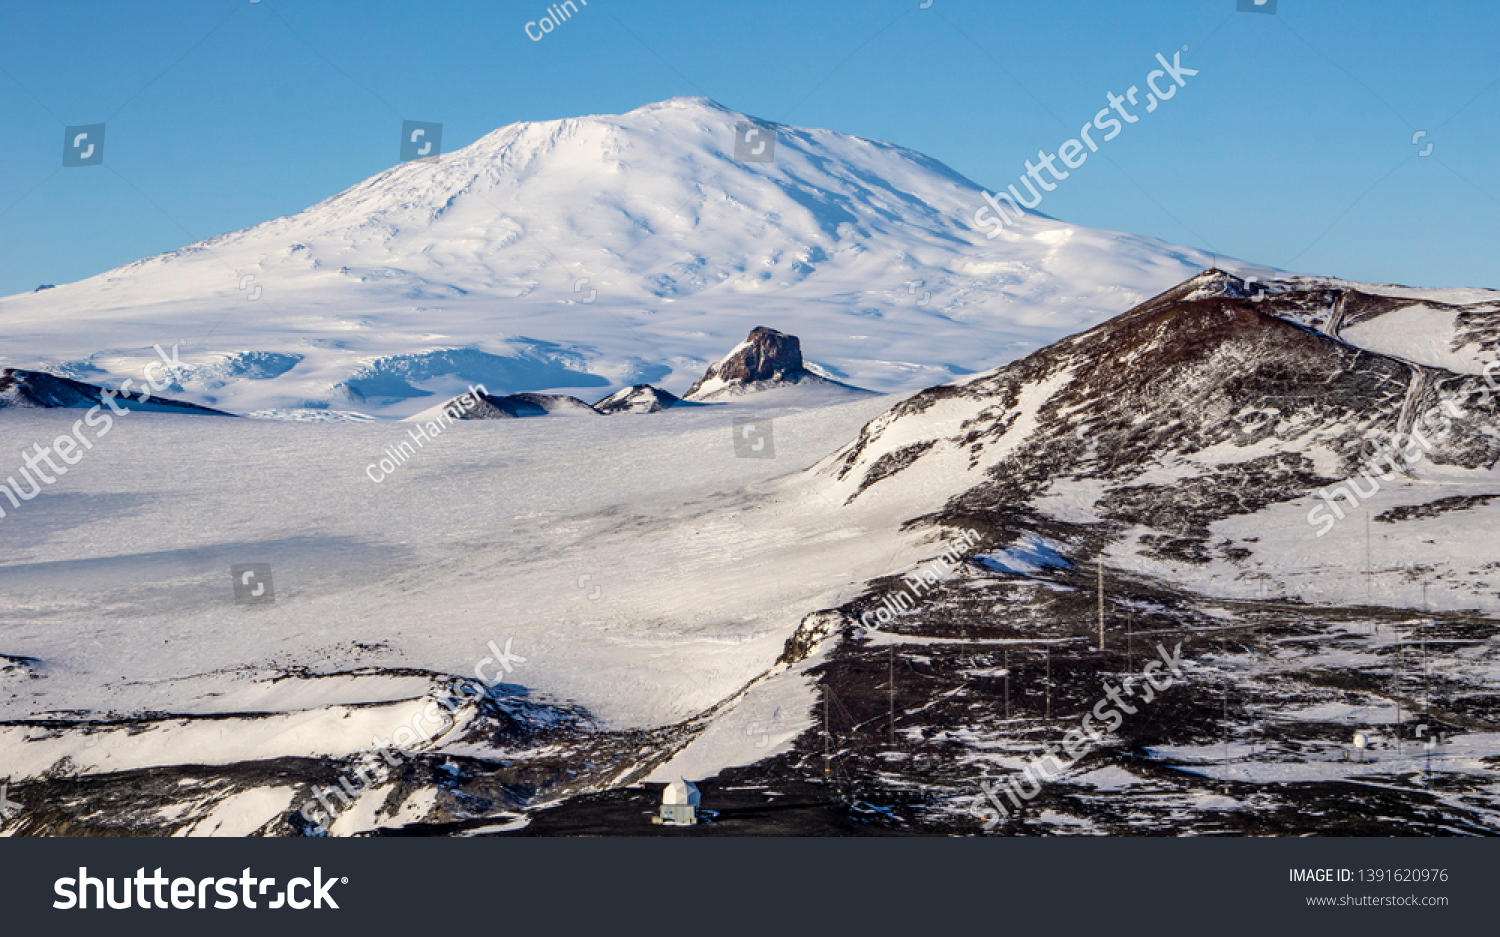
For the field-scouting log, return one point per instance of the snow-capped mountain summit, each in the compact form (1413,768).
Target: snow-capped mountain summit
(590,254)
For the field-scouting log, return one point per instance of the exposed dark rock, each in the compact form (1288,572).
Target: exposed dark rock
(1434,508)
(515,406)
(637,398)
(766,359)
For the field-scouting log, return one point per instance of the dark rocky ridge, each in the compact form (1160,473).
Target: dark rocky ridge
(516,406)
(637,398)
(40,390)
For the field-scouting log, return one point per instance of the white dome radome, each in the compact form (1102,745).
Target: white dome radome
(681,792)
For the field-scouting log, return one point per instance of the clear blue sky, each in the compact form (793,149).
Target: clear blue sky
(1292,146)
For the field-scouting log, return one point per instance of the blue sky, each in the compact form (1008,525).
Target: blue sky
(1291,147)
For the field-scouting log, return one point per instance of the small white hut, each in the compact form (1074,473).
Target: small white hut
(679,803)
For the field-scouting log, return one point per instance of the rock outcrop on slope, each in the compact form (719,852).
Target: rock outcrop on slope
(765,360)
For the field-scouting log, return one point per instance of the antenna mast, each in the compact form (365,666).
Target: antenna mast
(1007,684)
(1427,620)
(825,735)
(1401,659)
(1099,566)
(1369,570)
(1226,732)
(1049,681)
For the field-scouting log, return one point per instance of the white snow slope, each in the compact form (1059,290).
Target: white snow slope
(647,590)
(428,276)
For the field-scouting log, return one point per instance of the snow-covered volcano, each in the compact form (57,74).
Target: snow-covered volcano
(590,254)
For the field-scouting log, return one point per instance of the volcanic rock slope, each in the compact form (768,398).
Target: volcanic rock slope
(766,360)
(1213,400)
(1171,455)
(637,398)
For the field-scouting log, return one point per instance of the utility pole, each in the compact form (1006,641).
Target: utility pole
(825,736)
(1099,561)
(1250,709)
(1226,732)
(892,681)
(1007,684)
(1426,621)
(1255,630)
(1049,681)
(1400,672)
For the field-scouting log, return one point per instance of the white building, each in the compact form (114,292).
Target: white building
(679,803)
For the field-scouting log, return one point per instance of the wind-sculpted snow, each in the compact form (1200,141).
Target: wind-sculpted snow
(137,697)
(532,365)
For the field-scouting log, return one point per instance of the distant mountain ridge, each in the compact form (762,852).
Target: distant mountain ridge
(766,360)
(37,390)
